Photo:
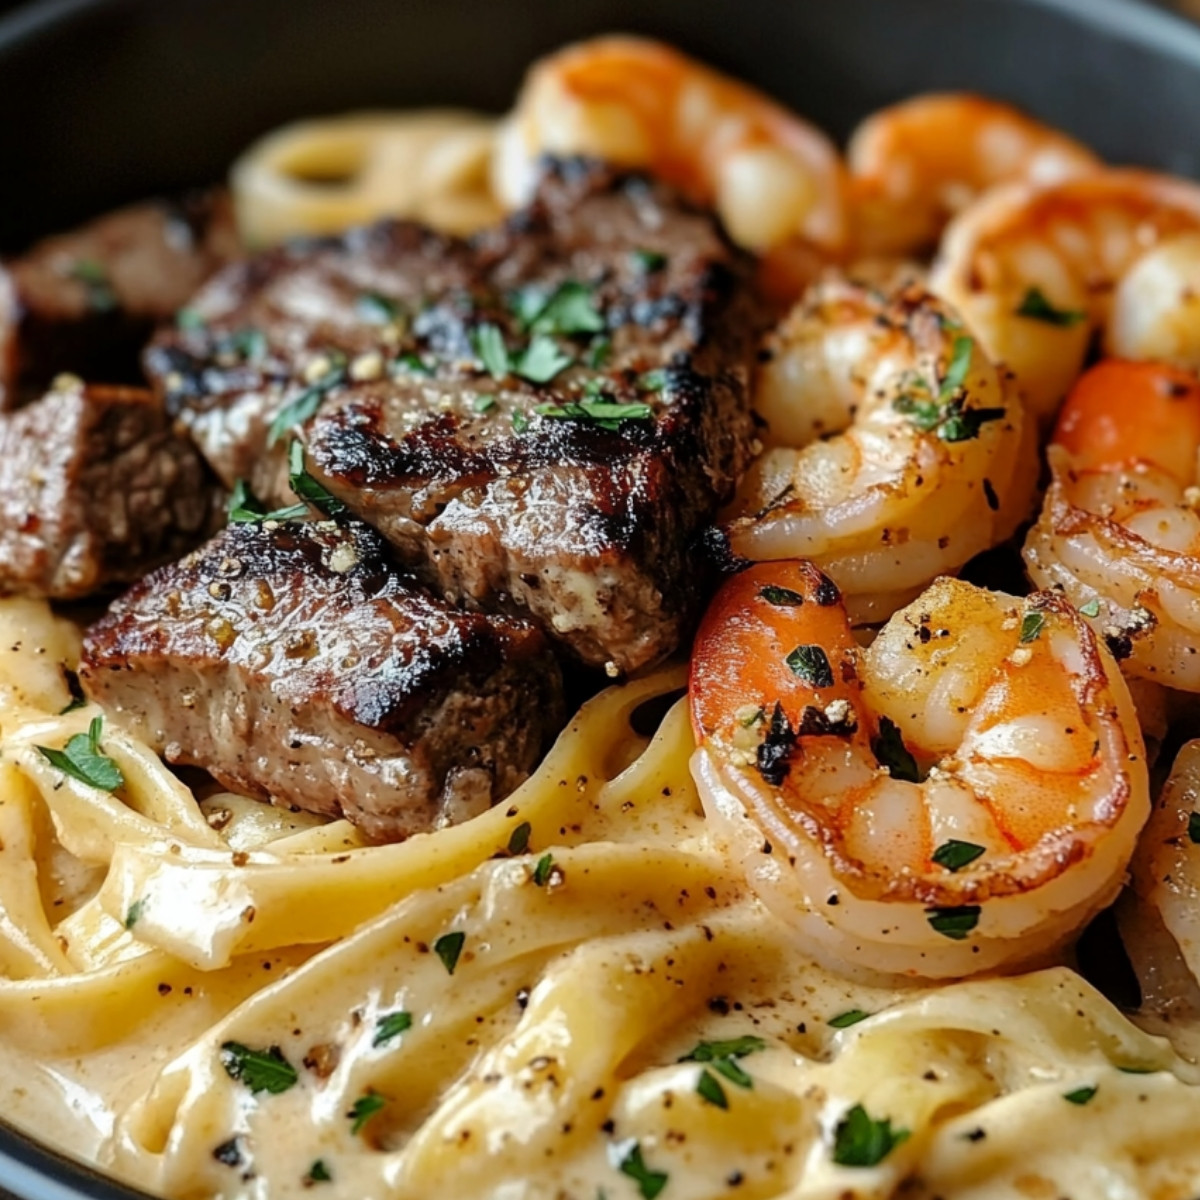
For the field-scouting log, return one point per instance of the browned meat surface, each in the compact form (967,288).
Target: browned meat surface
(87,301)
(95,490)
(540,420)
(296,663)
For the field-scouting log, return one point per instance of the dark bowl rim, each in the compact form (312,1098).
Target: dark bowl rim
(37,1169)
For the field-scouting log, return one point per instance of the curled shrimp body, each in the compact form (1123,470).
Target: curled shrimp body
(1032,270)
(960,796)
(915,164)
(1156,307)
(895,450)
(776,181)
(1119,532)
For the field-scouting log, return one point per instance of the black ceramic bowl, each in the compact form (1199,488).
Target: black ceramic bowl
(106,100)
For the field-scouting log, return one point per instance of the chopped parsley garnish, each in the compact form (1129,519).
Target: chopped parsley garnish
(488,343)
(781,597)
(954,923)
(960,364)
(811,664)
(773,758)
(248,344)
(710,1089)
(365,1107)
(649,261)
(607,414)
(78,699)
(1036,305)
(961,424)
(83,760)
(541,872)
(305,405)
(306,487)
(411,364)
(91,273)
(318,1172)
(1090,609)
(260,1070)
(1080,1095)
(520,422)
(652,381)
(377,309)
(598,353)
(891,752)
(567,311)
(541,360)
(189,320)
(1194,828)
(954,855)
(482,404)
(448,947)
(391,1025)
(133,914)
(518,840)
(722,1057)
(860,1141)
(649,1182)
(245,508)
(1032,624)
(72,704)
(851,1016)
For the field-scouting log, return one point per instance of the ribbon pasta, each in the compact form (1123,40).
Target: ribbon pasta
(572,993)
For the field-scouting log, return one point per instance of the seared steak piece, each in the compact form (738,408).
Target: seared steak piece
(539,420)
(88,301)
(95,490)
(297,664)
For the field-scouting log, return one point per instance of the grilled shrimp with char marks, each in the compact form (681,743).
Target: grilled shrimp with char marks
(1033,270)
(959,797)
(915,164)
(895,451)
(1119,533)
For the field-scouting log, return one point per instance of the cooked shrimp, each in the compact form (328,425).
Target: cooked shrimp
(895,450)
(776,181)
(1119,533)
(1156,307)
(1033,270)
(961,796)
(915,164)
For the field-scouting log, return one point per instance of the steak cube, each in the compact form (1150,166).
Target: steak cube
(95,490)
(541,420)
(296,663)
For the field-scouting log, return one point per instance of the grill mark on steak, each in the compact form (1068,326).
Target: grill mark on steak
(95,490)
(587,528)
(296,663)
(87,301)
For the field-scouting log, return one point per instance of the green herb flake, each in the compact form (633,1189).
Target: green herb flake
(133,914)
(1138,1070)
(541,872)
(306,487)
(811,664)
(1194,828)
(954,855)
(891,752)
(248,344)
(318,1173)
(1037,306)
(189,320)
(1090,609)
(960,364)
(391,1025)
(649,1183)
(376,309)
(410,364)
(954,923)
(92,274)
(860,1141)
(541,360)
(520,422)
(781,597)
(598,352)
(1080,1096)
(82,759)
(570,310)
(851,1016)
(488,344)
(652,381)
(305,405)
(1032,624)
(448,947)
(365,1107)
(924,414)
(710,1089)
(260,1070)
(722,1056)
(483,404)
(961,424)
(245,508)
(518,840)
(648,261)
(607,414)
